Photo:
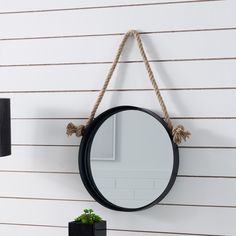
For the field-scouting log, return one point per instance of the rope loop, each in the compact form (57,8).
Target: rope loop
(178,133)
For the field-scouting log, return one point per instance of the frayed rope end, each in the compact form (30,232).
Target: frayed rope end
(179,134)
(73,129)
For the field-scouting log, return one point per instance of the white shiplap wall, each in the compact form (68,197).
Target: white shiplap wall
(54,56)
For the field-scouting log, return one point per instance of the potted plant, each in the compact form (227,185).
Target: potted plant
(87,224)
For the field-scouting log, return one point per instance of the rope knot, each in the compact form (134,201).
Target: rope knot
(179,134)
(73,129)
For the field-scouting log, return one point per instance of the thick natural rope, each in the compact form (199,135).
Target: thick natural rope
(178,133)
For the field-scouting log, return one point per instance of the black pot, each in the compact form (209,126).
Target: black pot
(79,229)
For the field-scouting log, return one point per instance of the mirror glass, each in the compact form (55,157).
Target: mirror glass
(131,158)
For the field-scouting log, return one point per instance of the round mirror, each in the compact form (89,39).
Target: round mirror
(127,159)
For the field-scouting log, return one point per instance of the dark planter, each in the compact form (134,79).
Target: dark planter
(79,229)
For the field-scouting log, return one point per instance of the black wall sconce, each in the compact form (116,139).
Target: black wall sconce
(5,127)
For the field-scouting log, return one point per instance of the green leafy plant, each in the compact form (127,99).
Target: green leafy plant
(88,217)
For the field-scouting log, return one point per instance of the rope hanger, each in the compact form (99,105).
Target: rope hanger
(178,132)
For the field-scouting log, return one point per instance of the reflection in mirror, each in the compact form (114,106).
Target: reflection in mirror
(131,159)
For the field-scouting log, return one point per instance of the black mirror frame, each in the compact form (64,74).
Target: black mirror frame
(84,159)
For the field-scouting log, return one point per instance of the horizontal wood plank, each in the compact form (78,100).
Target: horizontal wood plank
(37,185)
(193,162)
(136,233)
(16,230)
(49,132)
(169,75)
(203,103)
(180,16)
(26,5)
(41,159)
(205,132)
(210,44)
(201,191)
(161,218)
(28,230)
(207,162)
(67,187)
